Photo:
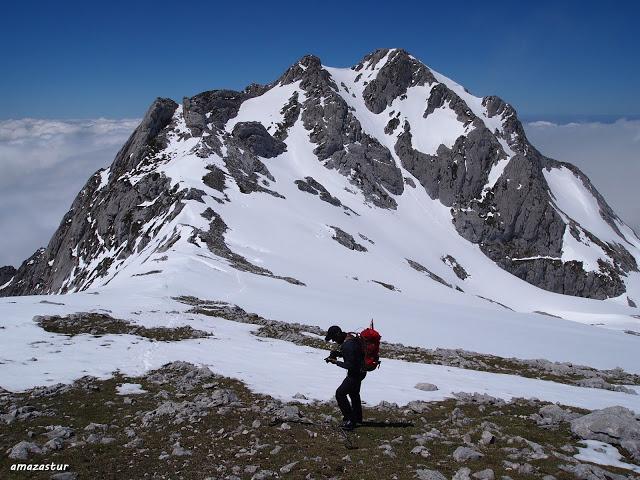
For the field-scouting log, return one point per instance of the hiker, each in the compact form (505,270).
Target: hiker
(352,355)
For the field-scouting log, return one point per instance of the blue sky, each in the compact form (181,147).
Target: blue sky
(90,59)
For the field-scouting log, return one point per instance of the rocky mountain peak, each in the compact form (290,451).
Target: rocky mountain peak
(390,127)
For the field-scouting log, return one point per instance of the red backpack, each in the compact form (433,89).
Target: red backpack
(370,340)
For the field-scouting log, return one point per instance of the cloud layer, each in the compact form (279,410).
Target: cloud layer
(44,163)
(609,153)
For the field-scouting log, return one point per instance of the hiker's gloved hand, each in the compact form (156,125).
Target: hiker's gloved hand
(330,360)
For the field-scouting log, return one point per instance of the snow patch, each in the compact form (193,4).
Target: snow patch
(130,389)
(265,108)
(603,454)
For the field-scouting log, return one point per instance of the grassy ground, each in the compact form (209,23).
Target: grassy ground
(102,324)
(241,439)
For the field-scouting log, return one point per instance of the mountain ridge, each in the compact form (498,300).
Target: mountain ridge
(385,124)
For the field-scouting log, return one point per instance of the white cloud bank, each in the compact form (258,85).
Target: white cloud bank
(609,153)
(44,163)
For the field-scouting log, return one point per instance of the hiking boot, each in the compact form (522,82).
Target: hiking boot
(348,425)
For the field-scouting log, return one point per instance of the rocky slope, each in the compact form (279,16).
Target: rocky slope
(183,420)
(6,274)
(390,125)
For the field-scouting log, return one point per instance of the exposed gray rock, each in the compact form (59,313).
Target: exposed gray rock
(425,474)
(463,473)
(215,179)
(463,454)
(418,406)
(615,425)
(191,411)
(275,450)
(440,95)
(583,471)
(456,175)
(6,274)
(287,413)
(22,450)
(598,382)
(248,171)
(258,140)
(398,73)
(341,142)
(53,444)
(458,269)
(58,431)
(478,399)
(517,220)
(346,239)
(554,414)
(421,450)
(310,185)
(219,105)
(486,474)
(145,139)
(487,438)
(20,413)
(290,113)
(388,286)
(427,387)
(288,467)
(180,451)
(420,268)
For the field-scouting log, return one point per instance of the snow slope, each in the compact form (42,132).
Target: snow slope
(31,357)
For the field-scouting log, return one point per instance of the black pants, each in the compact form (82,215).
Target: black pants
(350,386)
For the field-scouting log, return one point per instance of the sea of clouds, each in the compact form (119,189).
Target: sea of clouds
(609,153)
(44,163)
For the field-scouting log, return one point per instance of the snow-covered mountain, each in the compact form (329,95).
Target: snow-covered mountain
(390,158)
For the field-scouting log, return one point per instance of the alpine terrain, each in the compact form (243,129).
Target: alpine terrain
(192,281)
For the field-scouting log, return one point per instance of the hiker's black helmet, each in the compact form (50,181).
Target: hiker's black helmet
(333,333)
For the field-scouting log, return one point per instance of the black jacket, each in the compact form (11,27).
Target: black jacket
(352,355)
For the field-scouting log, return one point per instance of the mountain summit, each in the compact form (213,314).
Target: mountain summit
(333,180)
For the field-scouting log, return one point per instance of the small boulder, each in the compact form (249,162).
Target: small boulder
(463,474)
(615,425)
(288,467)
(486,474)
(418,406)
(180,451)
(487,438)
(22,450)
(425,474)
(58,431)
(426,387)
(462,454)
(287,413)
